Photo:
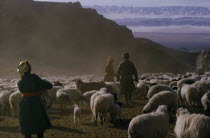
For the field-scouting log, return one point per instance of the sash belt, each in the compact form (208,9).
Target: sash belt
(29,94)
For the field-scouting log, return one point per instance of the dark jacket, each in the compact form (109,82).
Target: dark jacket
(127,74)
(33,117)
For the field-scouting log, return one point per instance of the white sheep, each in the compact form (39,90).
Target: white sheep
(87,96)
(116,112)
(148,125)
(191,125)
(4,102)
(163,98)
(77,114)
(156,89)
(67,97)
(205,100)
(203,87)
(189,95)
(185,81)
(14,101)
(173,83)
(141,91)
(103,104)
(51,94)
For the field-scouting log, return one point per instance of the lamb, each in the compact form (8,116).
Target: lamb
(191,125)
(156,89)
(67,96)
(185,81)
(89,86)
(148,125)
(4,102)
(86,97)
(189,95)
(14,101)
(141,91)
(163,98)
(77,114)
(103,104)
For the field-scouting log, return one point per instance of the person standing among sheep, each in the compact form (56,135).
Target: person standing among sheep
(127,74)
(109,71)
(32,117)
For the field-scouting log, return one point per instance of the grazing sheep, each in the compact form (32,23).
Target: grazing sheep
(116,112)
(89,86)
(141,91)
(87,96)
(4,102)
(189,95)
(103,104)
(163,98)
(67,96)
(191,125)
(185,81)
(77,114)
(156,89)
(205,100)
(14,101)
(148,125)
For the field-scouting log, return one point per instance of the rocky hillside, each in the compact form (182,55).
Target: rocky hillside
(203,61)
(67,36)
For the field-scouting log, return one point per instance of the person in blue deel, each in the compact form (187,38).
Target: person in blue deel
(33,117)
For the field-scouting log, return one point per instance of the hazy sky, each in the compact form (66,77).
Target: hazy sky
(140,2)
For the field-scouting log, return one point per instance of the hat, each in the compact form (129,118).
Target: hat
(23,67)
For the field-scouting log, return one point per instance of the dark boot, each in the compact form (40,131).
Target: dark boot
(40,135)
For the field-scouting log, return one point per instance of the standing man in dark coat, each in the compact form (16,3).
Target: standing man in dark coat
(127,74)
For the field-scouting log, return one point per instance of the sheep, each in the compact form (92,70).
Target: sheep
(191,125)
(51,94)
(4,102)
(77,114)
(163,98)
(89,86)
(173,83)
(185,81)
(86,97)
(14,101)
(203,87)
(159,81)
(67,96)
(205,100)
(103,104)
(116,111)
(156,89)
(57,83)
(113,87)
(148,125)
(189,95)
(141,91)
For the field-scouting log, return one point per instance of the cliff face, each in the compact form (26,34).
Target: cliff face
(203,61)
(65,35)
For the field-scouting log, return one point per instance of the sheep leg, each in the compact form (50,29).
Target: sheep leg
(101,118)
(74,119)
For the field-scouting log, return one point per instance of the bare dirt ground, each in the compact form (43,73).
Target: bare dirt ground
(64,127)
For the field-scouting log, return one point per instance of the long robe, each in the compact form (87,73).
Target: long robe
(33,117)
(109,73)
(127,74)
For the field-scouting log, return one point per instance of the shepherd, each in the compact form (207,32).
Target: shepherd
(109,71)
(33,117)
(127,74)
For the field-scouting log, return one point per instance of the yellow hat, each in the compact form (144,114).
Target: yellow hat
(23,67)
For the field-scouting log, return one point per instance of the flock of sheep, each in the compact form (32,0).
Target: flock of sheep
(166,92)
